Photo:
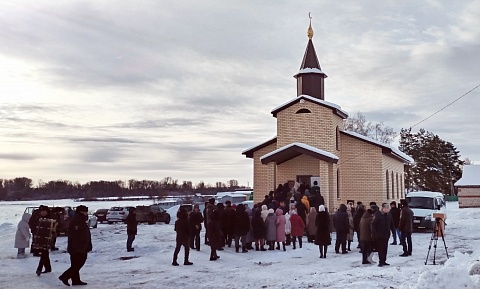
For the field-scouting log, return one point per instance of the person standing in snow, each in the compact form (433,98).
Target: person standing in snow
(196,220)
(298,226)
(381,226)
(131,228)
(351,226)
(280,222)
(322,237)
(259,230)
(356,220)
(214,235)
(311,228)
(182,227)
(42,237)
(22,236)
(250,238)
(406,228)
(342,227)
(365,236)
(264,212)
(209,208)
(270,223)
(242,226)
(229,228)
(79,244)
(395,213)
(288,229)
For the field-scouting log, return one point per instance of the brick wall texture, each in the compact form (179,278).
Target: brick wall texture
(469,197)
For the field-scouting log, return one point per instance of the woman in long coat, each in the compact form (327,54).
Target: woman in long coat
(22,236)
(271,225)
(311,228)
(322,238)
(298,227)
(259,230)
(281,222)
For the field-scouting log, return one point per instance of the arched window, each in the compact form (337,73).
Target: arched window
(338,183)
(303,110)
(337,138)
(402,186)
(387,185)
(393,187)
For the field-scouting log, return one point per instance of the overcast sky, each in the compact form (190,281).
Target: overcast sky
(115,90)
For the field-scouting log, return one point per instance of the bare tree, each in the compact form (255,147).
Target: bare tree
(378,131)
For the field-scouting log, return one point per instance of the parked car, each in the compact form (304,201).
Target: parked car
(101,215)
(117,214)
(152,214)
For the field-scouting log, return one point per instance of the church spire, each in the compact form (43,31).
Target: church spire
(310,77)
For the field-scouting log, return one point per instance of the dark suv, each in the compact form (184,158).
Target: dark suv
(152,214)
(101,215)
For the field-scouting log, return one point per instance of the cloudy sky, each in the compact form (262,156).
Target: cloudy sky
(107,90)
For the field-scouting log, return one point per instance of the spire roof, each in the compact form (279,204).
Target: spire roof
(310,63)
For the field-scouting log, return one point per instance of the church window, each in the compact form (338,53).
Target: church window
(398,188)
(337,138)
(303,110)
(388,186)
(393,187)
(338,183)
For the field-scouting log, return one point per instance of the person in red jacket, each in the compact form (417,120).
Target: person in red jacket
(298,226)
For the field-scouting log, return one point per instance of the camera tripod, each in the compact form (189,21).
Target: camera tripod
(437,230)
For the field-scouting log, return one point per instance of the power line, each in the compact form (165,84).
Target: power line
(423,120)
(446,106)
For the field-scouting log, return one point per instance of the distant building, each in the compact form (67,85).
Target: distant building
(469,187)
(311,144)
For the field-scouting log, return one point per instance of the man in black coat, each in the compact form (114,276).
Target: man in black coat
(395,213)
(131,228)
(342,228)
(182,227)
(242,227)
(382,224)
(229,223)
(209,207)
(196,220)
(79,244)
(406,228)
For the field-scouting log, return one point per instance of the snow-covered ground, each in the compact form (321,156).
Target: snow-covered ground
(110,266)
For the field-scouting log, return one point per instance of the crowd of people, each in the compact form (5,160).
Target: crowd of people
(286,215)
(41,227)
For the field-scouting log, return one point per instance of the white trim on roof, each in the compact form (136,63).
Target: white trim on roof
(302,145)
(470,176)
(259,144)
(310,70)
(394,150)
(312,99)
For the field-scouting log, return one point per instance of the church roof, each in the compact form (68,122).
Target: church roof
(386,149)
(335,108)
(249,152)
(470,176)
(310,62)
(296,149)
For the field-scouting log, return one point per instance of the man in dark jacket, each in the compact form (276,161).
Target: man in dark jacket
(242,226)
(182,227)
(196,220)
(79,244)
(209,207)
(406,227)
(131,228)
(382,224)
(395,212)
(229,223)
(342,228)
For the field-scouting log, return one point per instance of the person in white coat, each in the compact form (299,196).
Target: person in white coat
(22,236)
(288,229)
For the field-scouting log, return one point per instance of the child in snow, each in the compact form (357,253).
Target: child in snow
(22,236)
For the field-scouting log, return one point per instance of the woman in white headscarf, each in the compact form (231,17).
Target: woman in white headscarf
(322,238)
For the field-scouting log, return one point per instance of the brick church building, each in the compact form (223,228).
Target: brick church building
(312,144)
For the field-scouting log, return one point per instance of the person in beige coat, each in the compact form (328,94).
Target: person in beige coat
(22,236)
(311,228)
(350,222)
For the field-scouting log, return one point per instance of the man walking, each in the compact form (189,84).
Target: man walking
(79,244)
(381,225)
(406,227)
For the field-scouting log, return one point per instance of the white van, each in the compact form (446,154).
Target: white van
(424,205)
